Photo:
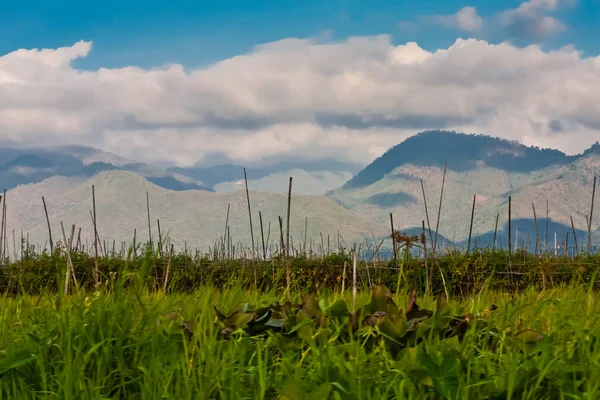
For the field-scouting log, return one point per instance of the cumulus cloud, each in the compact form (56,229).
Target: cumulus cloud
(465,19)
(531,19)
(347,100)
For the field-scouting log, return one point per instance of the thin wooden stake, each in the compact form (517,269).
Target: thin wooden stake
(168,270)
(262,235)
(305,233)
(495,231)
(354,288)
(48,221)
(249,212)
(537,230)
(70,272)
(437,227)
(160,243)
(426,211)
(471,225)
(344,279)
(393,238)
(424,242)
(225,240)
(134,244)
(149,226)
(287,243)
(281,242)
(590,220)
(574,235)
(2,228)
(509,227)
(547,225)
(96,270)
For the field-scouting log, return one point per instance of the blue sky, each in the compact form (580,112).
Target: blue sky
(323,98)
(195,33)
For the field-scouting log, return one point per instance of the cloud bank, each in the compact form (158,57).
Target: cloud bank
(347,100)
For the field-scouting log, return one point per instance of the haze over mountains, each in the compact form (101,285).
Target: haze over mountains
(490,168)
(193,216)
(25,165)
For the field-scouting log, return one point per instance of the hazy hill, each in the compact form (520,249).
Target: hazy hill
(197,217)
(22,166)
(462,152)
(312,177)
(490,168)
(317,182)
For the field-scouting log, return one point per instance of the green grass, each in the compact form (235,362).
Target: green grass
(108,345)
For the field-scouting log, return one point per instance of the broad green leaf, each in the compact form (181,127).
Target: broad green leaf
(15,360)
(393,327)
(338,309)
(274,323)
(240,319)
(292,391)
(381,300)
(311,305)
(321,392)
(304,325)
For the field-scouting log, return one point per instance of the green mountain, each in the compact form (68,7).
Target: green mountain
(490,168)
(193,216)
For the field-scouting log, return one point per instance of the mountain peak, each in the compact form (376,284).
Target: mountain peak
(595,150)
(462,151)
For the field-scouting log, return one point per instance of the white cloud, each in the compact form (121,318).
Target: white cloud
(530,19)
(347,100)
(465,19)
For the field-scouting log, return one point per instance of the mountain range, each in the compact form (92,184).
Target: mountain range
(194,216)
(26,165)
(192,202)
(491,169)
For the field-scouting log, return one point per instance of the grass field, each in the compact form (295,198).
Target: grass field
(111,345)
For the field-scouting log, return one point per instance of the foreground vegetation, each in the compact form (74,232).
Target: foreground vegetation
(136,344)
(224,329)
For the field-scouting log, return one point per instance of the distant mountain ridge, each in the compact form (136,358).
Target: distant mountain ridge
(463,152)
(490,168)
(194,217)
(213,175)
(26,165)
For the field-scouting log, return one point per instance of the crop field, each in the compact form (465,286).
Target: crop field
(229,329)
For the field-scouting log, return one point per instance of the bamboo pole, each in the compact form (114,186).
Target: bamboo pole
(547,225)
(495,232)
(590,220)
(96,273)
(168,270)
(537,230)
(262,235)
(426,211)
(149,226)
(471,225)
(509,227)
(574,235)
(287,243)
(393,238)
(437,227)
(249,212)
(49,229)
(160,243)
